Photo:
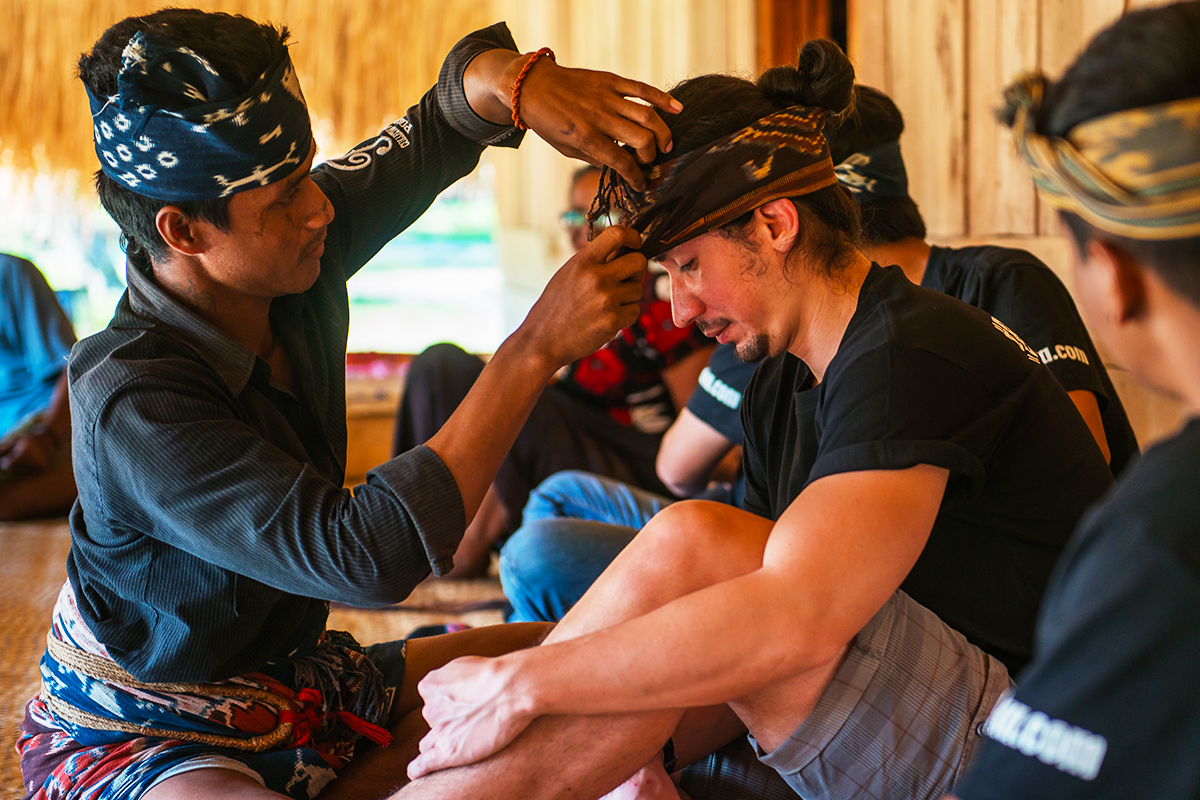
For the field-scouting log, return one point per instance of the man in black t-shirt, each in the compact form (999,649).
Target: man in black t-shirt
(895,437)
(1010,284)
(1109,707)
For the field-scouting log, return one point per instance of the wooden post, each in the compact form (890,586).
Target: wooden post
(784,25)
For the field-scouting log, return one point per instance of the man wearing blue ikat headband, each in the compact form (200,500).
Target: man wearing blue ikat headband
(188,648)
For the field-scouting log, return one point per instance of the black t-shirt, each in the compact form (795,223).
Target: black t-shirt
(717,398)
(1023,293)
(1110,705)
(922,378)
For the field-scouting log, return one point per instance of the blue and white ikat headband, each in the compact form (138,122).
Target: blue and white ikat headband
(176,130)
(875,173)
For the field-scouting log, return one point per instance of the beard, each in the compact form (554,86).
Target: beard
(755,348)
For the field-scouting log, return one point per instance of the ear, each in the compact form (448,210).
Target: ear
(1122,278)
(778,222)
(182,233)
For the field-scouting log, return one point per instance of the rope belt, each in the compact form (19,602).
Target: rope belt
(108,671)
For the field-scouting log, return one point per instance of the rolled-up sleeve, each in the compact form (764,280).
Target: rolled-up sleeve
(178,465)
(452,97)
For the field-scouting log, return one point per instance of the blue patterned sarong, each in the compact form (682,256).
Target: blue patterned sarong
(292,726)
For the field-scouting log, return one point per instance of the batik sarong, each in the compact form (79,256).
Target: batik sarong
(96,733)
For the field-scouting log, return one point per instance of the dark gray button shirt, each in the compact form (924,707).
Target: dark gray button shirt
(212,528)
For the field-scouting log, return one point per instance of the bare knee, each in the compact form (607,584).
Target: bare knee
(709,542)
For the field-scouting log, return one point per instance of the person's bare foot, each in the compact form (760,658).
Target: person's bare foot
(651,782)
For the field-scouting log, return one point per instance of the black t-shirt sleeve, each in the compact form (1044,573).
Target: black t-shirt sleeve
(717,398)
(1051,326)
(897,406)
(1109,706)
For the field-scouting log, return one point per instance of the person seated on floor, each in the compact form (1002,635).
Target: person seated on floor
(188,654)
(563,545)
(35,414)
(912,473)
(1109,707)
(605,414)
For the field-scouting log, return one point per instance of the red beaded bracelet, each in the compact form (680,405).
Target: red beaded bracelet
(516,92)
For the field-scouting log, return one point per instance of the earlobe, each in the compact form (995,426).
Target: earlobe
(181,232)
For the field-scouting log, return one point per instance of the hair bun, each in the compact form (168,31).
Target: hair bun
(823,78)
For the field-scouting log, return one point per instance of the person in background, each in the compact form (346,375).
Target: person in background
(605,414)
(1109,707)
(36,479)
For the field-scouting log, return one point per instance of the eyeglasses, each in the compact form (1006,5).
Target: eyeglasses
(573,219)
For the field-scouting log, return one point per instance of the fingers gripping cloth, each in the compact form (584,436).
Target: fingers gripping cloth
(1133,173)
(175,130)
(781,155)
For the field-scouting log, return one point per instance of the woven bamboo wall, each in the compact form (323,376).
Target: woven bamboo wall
(361,63)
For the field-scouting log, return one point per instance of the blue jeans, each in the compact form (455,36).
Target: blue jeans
(574,525)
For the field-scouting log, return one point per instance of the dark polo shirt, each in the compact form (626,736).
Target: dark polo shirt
(212,529)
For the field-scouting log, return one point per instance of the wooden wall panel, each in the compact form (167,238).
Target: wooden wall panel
(1002,41)
(931,92)
(945,63)
(867,42)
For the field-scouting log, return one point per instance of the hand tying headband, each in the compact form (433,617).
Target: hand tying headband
(1133,173)
(176,130)
(781,155)
(874,173)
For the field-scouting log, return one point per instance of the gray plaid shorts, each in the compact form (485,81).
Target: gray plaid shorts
(900,718)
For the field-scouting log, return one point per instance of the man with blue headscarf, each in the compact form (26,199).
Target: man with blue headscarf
(188,653)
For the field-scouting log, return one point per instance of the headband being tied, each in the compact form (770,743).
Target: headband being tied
(781,155)
(1133,173)
(175,130)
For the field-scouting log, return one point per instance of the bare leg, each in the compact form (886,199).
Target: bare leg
(774,712)
(688,546)
(223,783)
(378,771)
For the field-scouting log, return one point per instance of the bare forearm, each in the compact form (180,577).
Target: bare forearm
(477,437)
(488,82)
(655,661)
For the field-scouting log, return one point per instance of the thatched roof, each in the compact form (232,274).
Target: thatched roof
(362,63)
